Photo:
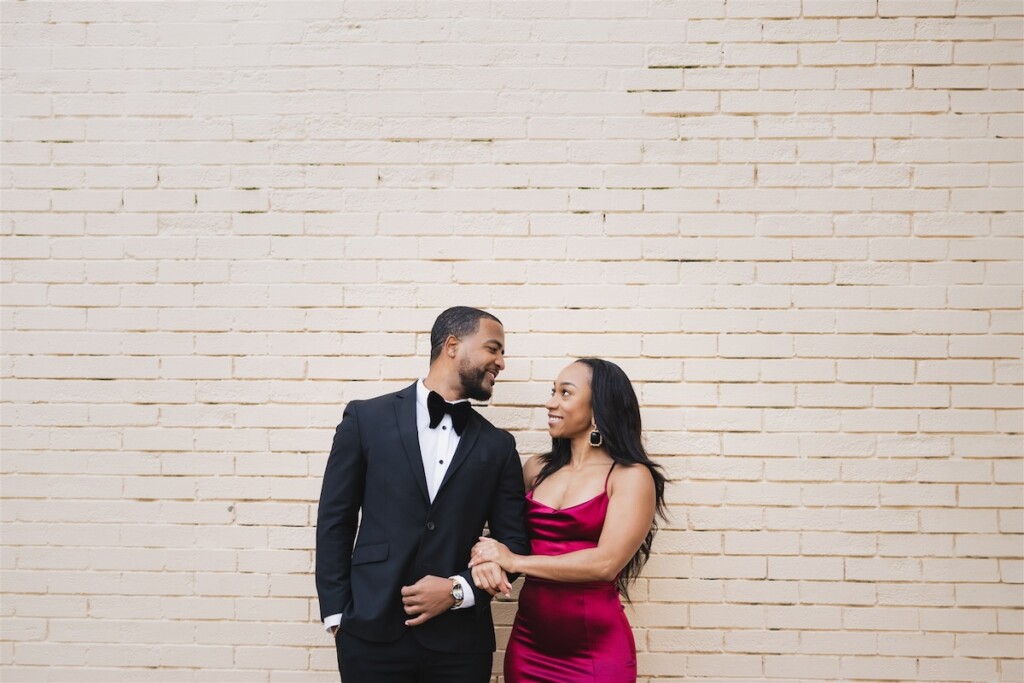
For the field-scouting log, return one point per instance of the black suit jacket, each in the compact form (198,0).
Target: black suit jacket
(374,484)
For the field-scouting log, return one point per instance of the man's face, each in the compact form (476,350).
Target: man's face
(481,357)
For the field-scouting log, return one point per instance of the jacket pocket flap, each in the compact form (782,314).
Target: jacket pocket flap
(370,553)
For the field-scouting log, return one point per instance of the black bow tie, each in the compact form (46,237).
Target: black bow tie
(437,407)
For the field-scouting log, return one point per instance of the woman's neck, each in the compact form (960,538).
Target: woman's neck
(583,453)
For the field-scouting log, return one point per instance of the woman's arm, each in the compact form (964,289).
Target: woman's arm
(629,518)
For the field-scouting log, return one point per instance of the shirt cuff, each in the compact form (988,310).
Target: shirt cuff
(332,621)
(468,597)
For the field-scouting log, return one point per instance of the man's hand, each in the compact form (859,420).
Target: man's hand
(427,598)
(492,578)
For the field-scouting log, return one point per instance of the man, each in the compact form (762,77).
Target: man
(419,473)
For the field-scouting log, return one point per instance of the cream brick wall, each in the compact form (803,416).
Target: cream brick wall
(797,226)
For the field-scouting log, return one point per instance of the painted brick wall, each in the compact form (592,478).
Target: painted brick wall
(797,226)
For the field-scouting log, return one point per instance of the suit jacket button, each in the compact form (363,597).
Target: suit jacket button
(430,526)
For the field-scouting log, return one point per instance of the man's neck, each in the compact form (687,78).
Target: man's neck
(449,391)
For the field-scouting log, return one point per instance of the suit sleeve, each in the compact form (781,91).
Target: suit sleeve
(341,497)
(507,518)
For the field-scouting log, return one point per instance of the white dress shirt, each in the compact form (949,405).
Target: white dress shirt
(437,446)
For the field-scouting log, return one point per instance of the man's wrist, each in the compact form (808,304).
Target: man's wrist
(332,622)
(468,597)
(457,594)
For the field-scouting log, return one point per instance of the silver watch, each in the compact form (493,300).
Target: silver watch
(457,593)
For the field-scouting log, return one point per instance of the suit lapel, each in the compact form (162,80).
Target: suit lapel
(466,443)
(405,413)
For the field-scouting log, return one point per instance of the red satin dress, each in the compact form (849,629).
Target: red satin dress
(569,632)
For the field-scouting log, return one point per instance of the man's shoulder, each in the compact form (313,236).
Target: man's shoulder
(379,402)
(487,427)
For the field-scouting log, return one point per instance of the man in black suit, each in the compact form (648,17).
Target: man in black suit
(418,473)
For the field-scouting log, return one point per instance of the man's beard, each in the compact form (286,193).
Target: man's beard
(472,380)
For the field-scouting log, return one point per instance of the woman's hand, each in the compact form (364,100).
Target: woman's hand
(490,550)
(489,577)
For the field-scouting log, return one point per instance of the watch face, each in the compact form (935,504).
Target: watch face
(457,592)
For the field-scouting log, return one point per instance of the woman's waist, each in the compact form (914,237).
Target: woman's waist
(552,585)
(540,546)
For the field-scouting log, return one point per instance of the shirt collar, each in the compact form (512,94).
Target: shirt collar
(422,392)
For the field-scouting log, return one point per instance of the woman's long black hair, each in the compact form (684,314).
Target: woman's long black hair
(617,416)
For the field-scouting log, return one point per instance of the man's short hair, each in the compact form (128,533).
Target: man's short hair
(458,322)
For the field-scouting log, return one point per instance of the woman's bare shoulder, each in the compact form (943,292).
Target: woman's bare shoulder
(532,467)
(635,477)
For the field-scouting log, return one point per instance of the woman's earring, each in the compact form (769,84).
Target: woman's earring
(595,438)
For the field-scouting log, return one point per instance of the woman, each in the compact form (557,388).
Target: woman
(591,506)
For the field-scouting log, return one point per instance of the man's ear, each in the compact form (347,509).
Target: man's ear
(451,346)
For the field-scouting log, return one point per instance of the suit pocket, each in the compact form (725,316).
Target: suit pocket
(377,552)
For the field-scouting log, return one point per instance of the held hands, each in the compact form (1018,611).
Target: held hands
(488,573)
(488,576)
(490,550)
(427,598)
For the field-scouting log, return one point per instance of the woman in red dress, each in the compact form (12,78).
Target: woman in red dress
(591,507)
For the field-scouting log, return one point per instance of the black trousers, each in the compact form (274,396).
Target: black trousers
(406,661)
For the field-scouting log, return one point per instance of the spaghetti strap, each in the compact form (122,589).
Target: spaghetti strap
(607,477)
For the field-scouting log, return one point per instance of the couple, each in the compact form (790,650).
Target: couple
(403,572)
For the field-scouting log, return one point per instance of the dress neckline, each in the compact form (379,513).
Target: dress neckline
(529,496)
(604,492)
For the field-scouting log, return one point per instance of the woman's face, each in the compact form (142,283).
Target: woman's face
(569,412)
